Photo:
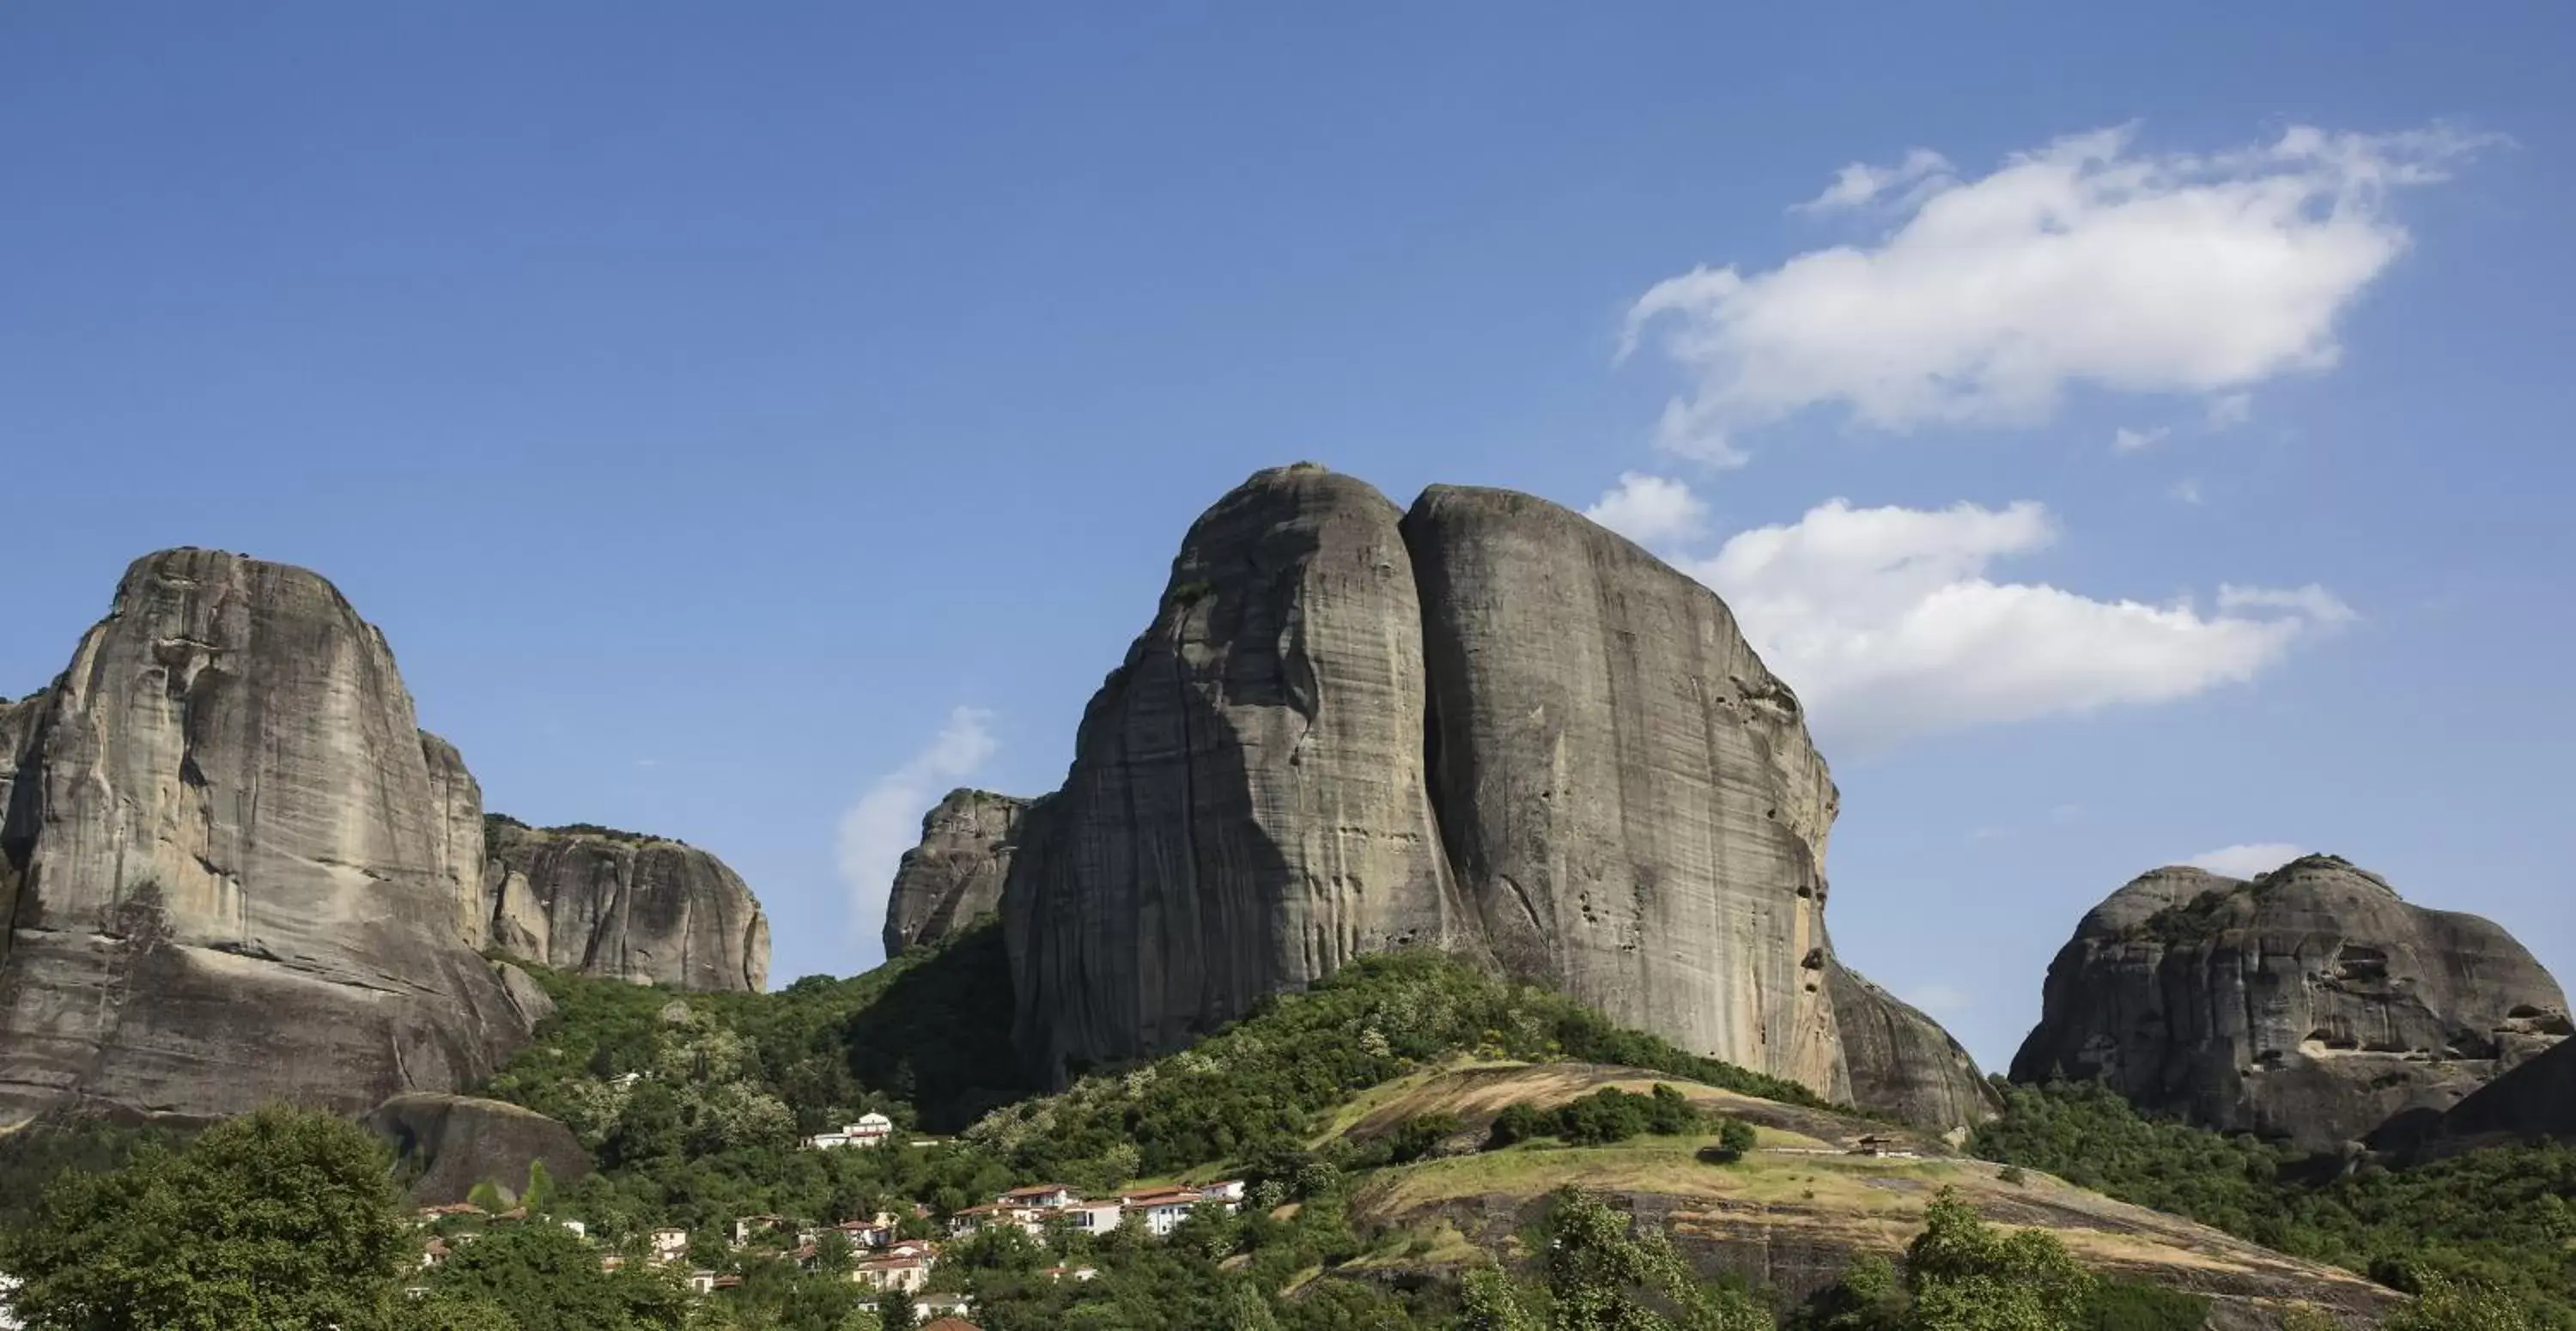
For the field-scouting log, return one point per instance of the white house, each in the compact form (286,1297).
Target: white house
(932,1306)
(670,1245)
(871,1130)
(904,1271)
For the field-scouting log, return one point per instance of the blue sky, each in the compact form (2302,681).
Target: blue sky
(710,403)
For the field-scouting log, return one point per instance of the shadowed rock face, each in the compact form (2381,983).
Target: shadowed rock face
(458,1141)
(623,906)
(2310,1005)
(1630,798)
(2535,1100)
(956,873)
(233,882)
(1901,1063)
(1247,806)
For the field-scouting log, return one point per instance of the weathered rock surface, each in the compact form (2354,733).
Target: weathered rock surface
(1798,1211)
(458,1141)
(955,875)
(1488,725)
(1247,806)
(17,731)
(228,852)
(1630,797)
(1901,1063)
(2310,1005)
(2536,1100)
(624,906)
(457,799)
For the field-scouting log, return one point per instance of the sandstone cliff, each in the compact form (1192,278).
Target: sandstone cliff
(1629,796)
(624,906)
(956,873)
(229,852)
(1488,726)
(1247,806)
(2310,1005)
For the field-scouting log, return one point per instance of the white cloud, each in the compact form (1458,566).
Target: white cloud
(2081,262)
(2126,440)
(1887,623)
(2229,410)
(1860,183)
(1648,509)
(2186,491)
(2248,860)
(886,820)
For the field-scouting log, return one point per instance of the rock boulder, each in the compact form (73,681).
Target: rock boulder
(458,1141)
(2310,1005)
(228,851)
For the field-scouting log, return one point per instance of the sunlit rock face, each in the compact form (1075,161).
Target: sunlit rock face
(233,875)
(624,906)
(2310,1005)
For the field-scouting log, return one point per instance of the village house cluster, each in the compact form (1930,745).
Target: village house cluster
(1159,1210)
(878,1257)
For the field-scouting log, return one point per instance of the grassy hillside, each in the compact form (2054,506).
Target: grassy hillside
(2503,1218)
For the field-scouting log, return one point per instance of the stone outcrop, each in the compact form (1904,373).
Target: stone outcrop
(2310,1005)
(1489,726)
(1247,806)
(1629,796)
(2534,1101)
(458,1141)
(623,906)
(1900,1062)
(955,875)
(232,883)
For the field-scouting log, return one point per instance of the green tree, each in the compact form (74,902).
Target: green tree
(279,1218)
(450,1312)
(547,1279)
(2448,1306)
(1968,1276)
(1602,1277)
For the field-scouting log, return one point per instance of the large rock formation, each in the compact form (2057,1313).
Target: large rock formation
(1489,726)
(458,1141)
(956,873)
(1247,806)
(231,882)
(1629,796)
(2310,1005)
(1900,1062)
(622,905)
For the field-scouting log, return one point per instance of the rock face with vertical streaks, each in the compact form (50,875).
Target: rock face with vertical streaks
(456,801)
(1629,796)
(233,881)
(955,875)
(1487,725)
(624,906)
(1247,806)
(2310,1005)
